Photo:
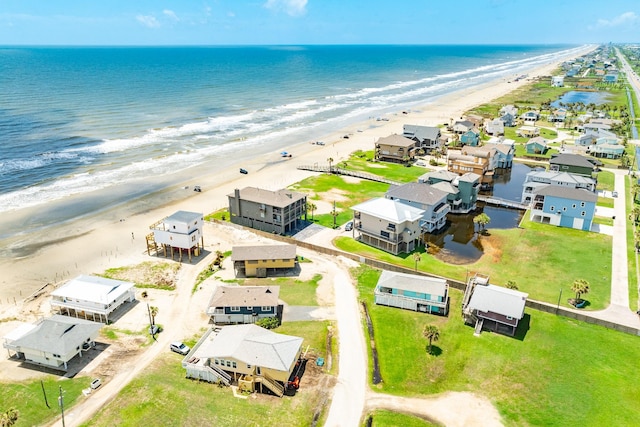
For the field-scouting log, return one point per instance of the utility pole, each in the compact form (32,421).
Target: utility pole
(61,403)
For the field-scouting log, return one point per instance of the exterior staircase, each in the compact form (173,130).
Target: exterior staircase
(222,375)
(478,330)
(271,384)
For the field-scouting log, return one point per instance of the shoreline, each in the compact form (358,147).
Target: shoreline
(114,236)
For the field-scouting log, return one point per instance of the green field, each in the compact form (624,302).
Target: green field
(383,418)
(292,291)
(555,372)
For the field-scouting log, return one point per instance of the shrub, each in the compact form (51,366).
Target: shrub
(269,322)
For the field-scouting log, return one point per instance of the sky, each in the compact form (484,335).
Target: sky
(304,22)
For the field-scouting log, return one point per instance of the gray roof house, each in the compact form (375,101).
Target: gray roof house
(53,341)
(412,292)
(423,196)
(243,304)
(492,307)
(427,137)
(251,354)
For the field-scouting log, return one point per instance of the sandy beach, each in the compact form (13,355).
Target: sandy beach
(116,236)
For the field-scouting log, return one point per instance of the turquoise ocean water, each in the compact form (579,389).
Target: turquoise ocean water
(76,120)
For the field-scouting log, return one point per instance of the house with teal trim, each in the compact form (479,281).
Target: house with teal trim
(537,145)
(426,197)
(412,292)
(470,137)
(606,150)
(462,190)
(564,207)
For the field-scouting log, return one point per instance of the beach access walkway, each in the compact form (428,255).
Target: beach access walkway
(345,172)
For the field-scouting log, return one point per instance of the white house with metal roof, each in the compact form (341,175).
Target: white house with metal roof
(492,307)
(181,231)
(412,292)
(423,196)
(247,354)
(53,341)
(92,297)
(388,224)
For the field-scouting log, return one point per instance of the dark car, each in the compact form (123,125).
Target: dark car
(349,226)
(244,171)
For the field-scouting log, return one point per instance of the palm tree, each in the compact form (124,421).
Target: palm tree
(417,258)
(580,287)
(312,208)
(153,310)
(482,220)
(511,284)
(9,418)
(432,333)
(330,160)
(635,214)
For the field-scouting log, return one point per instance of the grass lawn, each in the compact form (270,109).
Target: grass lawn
(361,161)
(561,372)
(632,266)
(603,220)
(605,202)
(384,418)
(161,396)
(541,259)
(313,331)
(28,399)
(292,291)
(606,180)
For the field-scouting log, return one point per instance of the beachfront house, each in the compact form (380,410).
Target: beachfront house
(243,304)
(564,207)
(462,126)
(462,190)
(508,120)
(494,127)
(252,357)
(557,81)
(388,224)
(428,138)
(423,196)
(280,211)
(92,297)
(505,150)
(528,131)
(395,149)
(509,109)
(412,292)
(493,308)
(536,145)
(262,260)
(572,163)
(52,342)
(541,178)
(181,231)
(470,137)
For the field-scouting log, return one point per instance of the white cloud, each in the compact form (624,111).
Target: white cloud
(291,7)
(171,14)
(148,21)
(620,20)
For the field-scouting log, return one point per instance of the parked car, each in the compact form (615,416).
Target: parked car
(243,171)
(319,143)
(95,383)
(349,226)
(614,194)
(180,348)
(197,189)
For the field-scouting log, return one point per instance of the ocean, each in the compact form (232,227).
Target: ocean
(76,122)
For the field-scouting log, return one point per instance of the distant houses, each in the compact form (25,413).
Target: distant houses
(491,307)
(412,292)
(278,211)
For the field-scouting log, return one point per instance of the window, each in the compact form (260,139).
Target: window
(235,308)
(216,361)
(573,206)
(384,234)
(228,363)
(583,213)
(582,204)
(509,318)
(265,309)
(233,365)
(552,208)
(391,226)
(250,308)
(564,209)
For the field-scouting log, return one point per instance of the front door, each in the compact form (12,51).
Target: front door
(258,370)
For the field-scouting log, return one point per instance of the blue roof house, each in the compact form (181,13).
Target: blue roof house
(470,137)
(564,207)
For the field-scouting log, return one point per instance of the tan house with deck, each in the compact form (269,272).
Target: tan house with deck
(396,149)
(259,260)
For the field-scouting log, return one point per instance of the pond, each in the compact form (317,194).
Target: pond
(586,97)
(458,243)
